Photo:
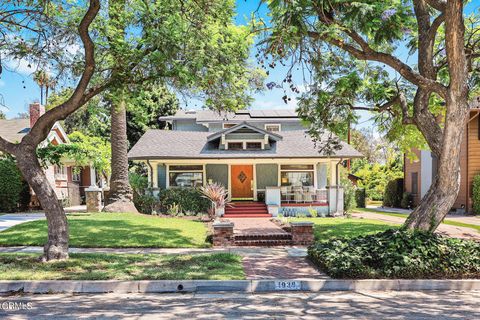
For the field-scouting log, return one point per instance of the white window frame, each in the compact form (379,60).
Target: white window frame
(273,124)
(313,170)
(60,172)
(167,184)
(76,177)
(244,144)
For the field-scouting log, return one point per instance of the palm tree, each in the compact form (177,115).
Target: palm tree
(42,78)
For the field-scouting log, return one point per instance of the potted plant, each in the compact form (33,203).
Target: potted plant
(216,193)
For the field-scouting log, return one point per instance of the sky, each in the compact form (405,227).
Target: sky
(18,90)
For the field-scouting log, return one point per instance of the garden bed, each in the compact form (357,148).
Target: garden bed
(398,254)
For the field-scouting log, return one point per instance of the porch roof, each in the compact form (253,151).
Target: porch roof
(166,144)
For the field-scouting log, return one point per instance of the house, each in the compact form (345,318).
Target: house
(68,181)
(419,173)
(264,156)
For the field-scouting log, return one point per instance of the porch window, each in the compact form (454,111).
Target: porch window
(76,174)
(414,182)
(186,176)
(297,175)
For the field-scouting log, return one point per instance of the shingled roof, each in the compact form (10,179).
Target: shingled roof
(165,144)
(14,130)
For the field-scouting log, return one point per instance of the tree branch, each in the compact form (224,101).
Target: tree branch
(439,5)
(42,127)
(367,53)
(7,146)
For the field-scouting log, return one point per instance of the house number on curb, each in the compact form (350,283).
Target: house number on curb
(287,285)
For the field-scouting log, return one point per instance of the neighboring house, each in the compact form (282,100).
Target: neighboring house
(258,155)
(419,174)
(68,181)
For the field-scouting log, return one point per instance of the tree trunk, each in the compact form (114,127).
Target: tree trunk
(56,247)
(120,197)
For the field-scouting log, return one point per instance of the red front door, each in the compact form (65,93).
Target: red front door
(242,181)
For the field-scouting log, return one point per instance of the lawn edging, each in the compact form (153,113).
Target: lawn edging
(245,286)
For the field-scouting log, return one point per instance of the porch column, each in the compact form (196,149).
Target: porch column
(93,177)
(154,182)
(333,173)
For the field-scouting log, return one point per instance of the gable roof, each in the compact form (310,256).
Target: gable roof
(168,144)
(219,134)
(240,115)
(14,130)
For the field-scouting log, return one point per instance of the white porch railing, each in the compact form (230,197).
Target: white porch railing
(303,194)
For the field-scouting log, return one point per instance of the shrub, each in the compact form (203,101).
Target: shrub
(360,197)
(217,194)
(11,185)
(348,196)
(398,254)
(407,201)
(146,203)
(189,200)
(393,193)
(476,194)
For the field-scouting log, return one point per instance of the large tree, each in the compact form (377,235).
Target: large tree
(190,45)
(356,51)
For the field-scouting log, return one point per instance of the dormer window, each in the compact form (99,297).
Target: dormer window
(254,146)
(235,146)
(276,127)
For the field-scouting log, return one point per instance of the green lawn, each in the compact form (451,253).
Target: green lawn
(405,215)
(114,230)
(327,228)
(220,266)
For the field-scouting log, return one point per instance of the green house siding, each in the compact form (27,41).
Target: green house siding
(162,176)
(218,173)
(267,175)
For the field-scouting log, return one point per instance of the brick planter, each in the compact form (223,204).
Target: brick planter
(223,234)
(302,233)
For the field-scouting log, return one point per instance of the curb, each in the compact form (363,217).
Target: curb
(245,286)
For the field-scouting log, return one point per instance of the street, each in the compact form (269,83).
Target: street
(325,305)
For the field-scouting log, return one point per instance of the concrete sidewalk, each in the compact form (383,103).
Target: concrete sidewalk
(10,220)
(445,229)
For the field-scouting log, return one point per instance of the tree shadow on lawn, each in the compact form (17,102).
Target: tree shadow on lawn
(110,234)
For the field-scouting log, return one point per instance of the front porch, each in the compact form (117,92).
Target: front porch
(288,187)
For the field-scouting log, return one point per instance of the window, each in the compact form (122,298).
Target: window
(186,176)
(228,125)
(76,174)
(414,182)
(235,146)
(60,172)
(272,127)
(254,145)
(297,175)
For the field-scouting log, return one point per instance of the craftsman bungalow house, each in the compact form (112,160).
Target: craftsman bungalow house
(69,183)
(263,157)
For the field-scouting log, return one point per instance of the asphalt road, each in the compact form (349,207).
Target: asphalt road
(335,305)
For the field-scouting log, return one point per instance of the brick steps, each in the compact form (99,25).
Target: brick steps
(262,243)
(247,210)
(264,240)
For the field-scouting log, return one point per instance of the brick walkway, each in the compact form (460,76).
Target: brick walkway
(280,267)
(255,226)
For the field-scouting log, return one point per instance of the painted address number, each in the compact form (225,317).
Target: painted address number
(287,285)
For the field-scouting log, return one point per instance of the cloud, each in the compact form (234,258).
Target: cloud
(21,66)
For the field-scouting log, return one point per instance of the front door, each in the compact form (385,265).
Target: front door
(242,181)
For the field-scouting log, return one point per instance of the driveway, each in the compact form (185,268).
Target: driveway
(286,305)
(449,230)
(10,220)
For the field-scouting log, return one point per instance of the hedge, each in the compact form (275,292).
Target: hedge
(393,193)
(476,194)
(11,185)
(398,254)
(360,197)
